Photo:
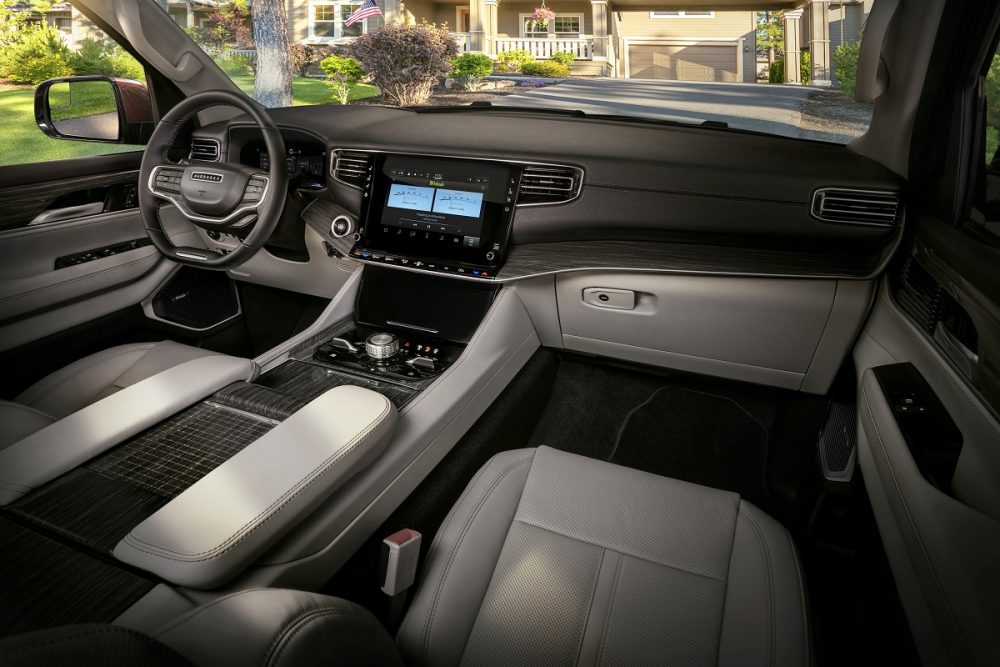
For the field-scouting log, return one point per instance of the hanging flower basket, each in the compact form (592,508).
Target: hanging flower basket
(541,16)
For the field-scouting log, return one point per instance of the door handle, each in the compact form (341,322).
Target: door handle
(67,213)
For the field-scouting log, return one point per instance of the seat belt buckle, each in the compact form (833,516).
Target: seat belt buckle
(398,561)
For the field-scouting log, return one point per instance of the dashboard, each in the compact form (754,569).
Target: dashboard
(500,196)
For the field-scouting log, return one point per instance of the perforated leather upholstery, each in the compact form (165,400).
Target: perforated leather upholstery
(552,558)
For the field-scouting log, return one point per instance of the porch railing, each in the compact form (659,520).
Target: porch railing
(462,39)
(543,48)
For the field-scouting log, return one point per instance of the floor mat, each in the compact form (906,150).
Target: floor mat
(698,437)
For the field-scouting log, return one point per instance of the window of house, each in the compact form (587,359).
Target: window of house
(563,25)
(328,20)
(63,24)
(682,15)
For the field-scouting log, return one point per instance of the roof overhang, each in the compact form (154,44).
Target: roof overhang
(720,5)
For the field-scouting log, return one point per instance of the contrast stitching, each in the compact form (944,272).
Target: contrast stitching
(802,599)
(458,545)
(913,525)
(52,641)
(270,511)
(766,554)
(611,610)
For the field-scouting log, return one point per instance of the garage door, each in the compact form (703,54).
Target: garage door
(683,63)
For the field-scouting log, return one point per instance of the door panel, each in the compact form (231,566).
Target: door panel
(943,544)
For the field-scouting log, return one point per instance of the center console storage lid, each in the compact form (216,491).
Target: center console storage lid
(219,525)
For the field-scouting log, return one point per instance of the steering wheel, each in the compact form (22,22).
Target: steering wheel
(224,197)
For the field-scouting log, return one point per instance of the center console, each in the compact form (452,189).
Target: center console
(437,215)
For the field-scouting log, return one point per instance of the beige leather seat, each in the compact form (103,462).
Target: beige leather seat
(86,381)
(548,558)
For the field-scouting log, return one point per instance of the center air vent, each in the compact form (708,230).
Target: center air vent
(351,167)
(205,149)
(856,207)
(549,185)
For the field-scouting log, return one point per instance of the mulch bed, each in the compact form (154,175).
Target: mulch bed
(830,115)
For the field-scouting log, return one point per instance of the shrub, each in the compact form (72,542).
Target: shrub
(563,58)
(845,66)
(512,61)
(105,57)
(776,72)
(471,68)
(37,56)
(992,92)
(342,74)
(405,61)
(545,68)
(304,56)
(227,27)
(235,64)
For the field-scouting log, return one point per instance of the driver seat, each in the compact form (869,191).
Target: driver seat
(87,381)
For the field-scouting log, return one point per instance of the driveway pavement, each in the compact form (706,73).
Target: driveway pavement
(749,106)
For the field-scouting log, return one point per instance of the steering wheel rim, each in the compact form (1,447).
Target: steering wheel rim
(219,196)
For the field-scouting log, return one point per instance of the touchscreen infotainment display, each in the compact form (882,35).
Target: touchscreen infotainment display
(459,210)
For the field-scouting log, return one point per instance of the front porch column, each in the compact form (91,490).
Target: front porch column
(190,14)
(490,26)
(599,11)
(477,26)
(819,41)
(793,46)
(392,11)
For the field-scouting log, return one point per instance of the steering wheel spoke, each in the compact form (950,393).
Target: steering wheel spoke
(216,196)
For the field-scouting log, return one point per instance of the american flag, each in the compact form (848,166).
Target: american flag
(366,9)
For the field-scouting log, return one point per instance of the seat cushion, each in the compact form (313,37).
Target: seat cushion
(552,558)
(19,421)
(101,374)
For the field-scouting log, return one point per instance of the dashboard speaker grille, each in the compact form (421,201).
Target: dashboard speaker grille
(351,167)
(205,149)
(856,207)
(549,185)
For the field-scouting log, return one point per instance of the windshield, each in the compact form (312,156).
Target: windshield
(693,66)
(729,68)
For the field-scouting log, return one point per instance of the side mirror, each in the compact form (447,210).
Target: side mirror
(95,108)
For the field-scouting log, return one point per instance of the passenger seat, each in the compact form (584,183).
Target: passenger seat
(548,558)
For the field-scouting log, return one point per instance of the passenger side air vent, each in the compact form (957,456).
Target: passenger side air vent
(549,185)
(856,207)
(351,167)
(205,149)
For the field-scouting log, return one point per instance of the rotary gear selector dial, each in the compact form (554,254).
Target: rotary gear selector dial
(382,346)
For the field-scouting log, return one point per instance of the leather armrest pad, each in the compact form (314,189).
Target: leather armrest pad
(68,442)
(215,528)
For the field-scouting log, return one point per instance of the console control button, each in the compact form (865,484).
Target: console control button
(381,345)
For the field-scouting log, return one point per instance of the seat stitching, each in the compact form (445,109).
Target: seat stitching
(590,607)
(624,553)
(913,526)
(290,629)
(765,552)
(46,390)
(196,612)
(458,545)
(270,511)
(611,610)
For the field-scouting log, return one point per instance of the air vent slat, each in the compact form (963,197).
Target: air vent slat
(351,167)
(857,207)
(205,149)
(549,185)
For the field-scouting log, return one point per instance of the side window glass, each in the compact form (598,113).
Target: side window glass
(40,41)
(988,211)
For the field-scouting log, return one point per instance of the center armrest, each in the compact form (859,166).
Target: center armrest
(220,524)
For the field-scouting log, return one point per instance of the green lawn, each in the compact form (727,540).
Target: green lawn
(309,91)
(21,141)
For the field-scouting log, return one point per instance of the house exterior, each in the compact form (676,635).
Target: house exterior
(623,42)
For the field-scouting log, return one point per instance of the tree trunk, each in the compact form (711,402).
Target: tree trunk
(273,85)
